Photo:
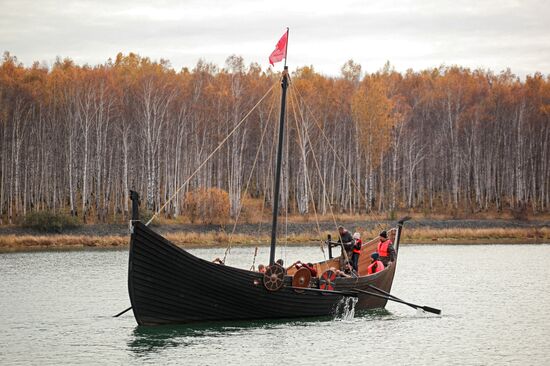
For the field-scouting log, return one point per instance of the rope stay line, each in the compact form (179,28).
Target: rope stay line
(228,249)
(332,148)
(302,146)
(253,166)
(210,156)
(324,187)
(283,248)
(263,206)
(253,267)
(341,163)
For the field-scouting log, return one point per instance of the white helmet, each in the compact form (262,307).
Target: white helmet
(356,236)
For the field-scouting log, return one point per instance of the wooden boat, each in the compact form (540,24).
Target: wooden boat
(168,285)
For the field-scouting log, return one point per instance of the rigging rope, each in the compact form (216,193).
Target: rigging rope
(253,167)
(317,124)
(211,154)
(308,180)
(262,209)
(324,188)
(228,249)
(253,267)
(287,185)
(331,147)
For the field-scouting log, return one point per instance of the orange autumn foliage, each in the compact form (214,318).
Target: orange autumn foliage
(208,206)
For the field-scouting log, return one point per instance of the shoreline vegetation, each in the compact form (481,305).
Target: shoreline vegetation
(433,144)
(423,231)
(76,138)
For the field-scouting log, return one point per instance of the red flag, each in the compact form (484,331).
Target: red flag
(280,50)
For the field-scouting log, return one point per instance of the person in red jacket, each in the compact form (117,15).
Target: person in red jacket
(386,249)
(376,264)
(356,252)
(309,266)
(311,269)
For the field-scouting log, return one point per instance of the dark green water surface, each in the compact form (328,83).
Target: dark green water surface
(56,308)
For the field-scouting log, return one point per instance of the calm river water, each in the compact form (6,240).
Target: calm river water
(56,308)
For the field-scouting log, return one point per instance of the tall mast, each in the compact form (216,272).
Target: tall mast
(284,86)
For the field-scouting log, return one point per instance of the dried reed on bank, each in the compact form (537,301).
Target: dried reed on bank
(220,239)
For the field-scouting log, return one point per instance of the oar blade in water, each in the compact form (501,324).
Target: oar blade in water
(431,310)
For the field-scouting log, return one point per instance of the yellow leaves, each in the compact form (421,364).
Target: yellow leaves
(316,89)
(373,113)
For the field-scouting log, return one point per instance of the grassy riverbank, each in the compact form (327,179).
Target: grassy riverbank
(539,233)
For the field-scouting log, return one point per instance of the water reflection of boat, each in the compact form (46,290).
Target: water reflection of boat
(145,340)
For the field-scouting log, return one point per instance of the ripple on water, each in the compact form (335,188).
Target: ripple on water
(57,308)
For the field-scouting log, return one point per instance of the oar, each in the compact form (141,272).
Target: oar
(122,312)
(383,292)
(332,292)
(393,298)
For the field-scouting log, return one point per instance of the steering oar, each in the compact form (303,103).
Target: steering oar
(393,298)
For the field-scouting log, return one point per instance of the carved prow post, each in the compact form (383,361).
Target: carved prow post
(134,196)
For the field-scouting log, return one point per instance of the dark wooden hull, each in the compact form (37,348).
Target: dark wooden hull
(168,285)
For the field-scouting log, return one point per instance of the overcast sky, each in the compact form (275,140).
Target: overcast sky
(410,34)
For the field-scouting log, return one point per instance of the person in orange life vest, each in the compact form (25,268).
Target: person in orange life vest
(385,249)
(356,252)
(376,265)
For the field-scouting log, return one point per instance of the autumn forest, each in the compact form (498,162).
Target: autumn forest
(75,139)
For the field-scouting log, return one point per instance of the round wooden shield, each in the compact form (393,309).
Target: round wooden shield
(301,278)
(327,279)
(274,277)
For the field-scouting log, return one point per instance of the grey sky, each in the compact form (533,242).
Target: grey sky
(325,34)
